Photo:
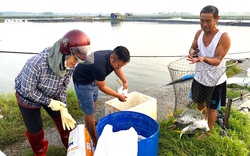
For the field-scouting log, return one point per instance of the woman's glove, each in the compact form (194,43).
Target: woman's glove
(56,105)
(67,119)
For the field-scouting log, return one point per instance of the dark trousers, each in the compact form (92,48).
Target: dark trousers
(32,117)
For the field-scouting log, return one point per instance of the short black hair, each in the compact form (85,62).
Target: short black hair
(210,9)
(122,53)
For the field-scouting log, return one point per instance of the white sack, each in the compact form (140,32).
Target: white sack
(121,143)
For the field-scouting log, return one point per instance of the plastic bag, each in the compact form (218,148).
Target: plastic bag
(121,143)
(80,143)
(123,91)
(2,154)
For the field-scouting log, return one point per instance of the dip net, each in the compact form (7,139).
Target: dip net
(182,74)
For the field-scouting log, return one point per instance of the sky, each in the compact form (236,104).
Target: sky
(122,6)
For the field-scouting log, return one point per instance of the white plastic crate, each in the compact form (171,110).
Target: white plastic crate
(137,102)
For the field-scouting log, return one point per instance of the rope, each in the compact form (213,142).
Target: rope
(17,52)
(151,56)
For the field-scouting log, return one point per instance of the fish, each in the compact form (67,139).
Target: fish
(190,121)
(198,125)
(186,117)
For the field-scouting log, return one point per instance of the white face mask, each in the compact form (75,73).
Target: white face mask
(65,64)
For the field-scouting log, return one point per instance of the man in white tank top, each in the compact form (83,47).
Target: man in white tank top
(209,84)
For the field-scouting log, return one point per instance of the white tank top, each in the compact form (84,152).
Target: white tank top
(206,74)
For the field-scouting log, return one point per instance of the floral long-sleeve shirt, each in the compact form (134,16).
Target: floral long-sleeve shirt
(36,84)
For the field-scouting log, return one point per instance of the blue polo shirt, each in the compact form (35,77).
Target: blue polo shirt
(86,74)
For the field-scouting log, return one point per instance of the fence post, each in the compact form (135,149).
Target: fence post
(227,115)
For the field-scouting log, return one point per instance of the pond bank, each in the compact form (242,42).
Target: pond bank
(164,96)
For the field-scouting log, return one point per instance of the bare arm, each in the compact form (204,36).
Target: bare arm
(194,45)
(220,52)
(121,75)
(107,90)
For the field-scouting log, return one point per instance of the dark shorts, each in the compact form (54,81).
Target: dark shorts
(219,96)
(87,95)
(213,96)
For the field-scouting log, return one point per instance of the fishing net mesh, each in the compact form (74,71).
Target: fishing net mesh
(182,72)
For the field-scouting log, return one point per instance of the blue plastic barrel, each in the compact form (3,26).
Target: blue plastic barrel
(143,124)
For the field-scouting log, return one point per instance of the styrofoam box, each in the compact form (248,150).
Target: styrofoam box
(136,101)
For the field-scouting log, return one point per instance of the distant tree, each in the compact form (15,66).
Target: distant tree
(48,13)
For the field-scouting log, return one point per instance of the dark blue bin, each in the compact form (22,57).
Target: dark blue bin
(143,124)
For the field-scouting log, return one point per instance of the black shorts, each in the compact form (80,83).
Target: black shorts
(219,96)
(201,93)
(213,96)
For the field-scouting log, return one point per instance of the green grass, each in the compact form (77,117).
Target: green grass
(232,68)
(12,127)
(238,143)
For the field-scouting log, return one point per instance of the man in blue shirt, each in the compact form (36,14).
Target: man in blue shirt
(88,78)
